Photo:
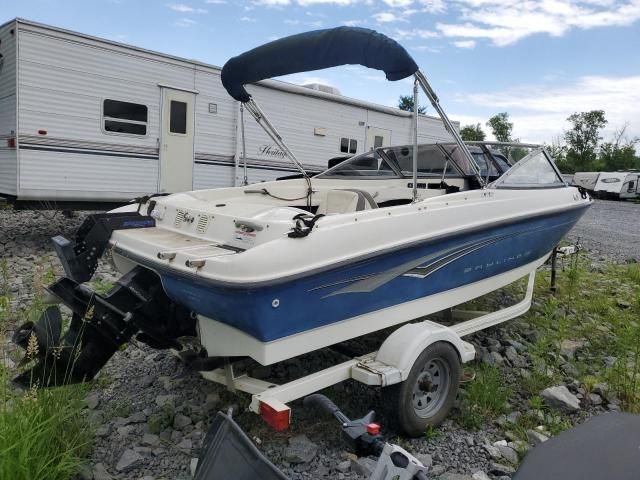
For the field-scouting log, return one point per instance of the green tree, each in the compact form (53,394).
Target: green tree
(501,127)
(405,102)
(558,153)
(619,153)
(472,133)
(582,139)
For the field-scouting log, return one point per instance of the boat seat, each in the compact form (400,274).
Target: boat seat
(345,201)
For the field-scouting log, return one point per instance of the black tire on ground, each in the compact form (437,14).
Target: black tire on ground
(427,395)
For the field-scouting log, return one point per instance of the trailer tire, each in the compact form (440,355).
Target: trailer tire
(427,395)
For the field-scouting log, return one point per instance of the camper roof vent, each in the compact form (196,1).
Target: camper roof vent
(320,87)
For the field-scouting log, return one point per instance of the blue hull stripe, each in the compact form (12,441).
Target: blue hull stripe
(275,311)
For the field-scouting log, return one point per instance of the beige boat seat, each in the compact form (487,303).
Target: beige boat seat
(345,201)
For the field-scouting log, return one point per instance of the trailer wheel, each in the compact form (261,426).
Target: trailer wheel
(427,395)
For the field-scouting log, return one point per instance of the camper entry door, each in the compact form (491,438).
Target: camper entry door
(176,140)
(378,137)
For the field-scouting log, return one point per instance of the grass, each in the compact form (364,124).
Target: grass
(483,398)
(602,308)
(432,433)
(43,432)
(598,305)
(102,286)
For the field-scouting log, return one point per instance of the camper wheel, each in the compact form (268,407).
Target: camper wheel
(427,395)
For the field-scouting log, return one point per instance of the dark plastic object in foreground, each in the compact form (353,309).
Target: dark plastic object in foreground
(314,51)
(80,258)
(228,453)
(606,447)
(101,323)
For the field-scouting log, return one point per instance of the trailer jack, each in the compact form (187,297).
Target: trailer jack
(100,325)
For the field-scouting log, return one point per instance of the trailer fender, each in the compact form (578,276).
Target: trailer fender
(402,347)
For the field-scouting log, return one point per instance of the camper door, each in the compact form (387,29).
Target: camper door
(176,140)
(378,137)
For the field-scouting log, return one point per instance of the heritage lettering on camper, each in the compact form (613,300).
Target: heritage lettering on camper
(271,151)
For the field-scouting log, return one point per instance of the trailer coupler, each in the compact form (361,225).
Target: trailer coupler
(80,258)
(100,325)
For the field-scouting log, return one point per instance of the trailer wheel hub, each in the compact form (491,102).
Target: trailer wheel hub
(430,388)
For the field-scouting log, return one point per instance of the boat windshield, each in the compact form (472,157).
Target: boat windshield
(397,162)
(534,170)
(370,164)
(434,160)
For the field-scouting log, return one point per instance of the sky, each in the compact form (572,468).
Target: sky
(538,60)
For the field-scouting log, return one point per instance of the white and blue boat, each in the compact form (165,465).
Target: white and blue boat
(274,270)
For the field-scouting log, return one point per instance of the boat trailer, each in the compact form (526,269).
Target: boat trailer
(137,306)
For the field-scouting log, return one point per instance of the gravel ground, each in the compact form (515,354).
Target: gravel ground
(151,414)
(610,229)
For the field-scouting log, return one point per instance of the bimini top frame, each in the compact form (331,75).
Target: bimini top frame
(324,49)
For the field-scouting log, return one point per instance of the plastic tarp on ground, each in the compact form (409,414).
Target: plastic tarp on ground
(314,51)
(228,453)
(606,447)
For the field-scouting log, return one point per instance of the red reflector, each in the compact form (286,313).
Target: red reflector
(11,142)
(278,420)
(373,429)
(42,132)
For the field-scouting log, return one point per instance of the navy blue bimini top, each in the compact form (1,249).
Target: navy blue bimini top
(316,50)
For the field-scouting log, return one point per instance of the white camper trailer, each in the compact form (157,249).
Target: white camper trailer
(84,119)
(617,185)
(586,180)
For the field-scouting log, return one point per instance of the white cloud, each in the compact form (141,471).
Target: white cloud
(387,17)
(465,44)
(289,21)
(430,6)
(248,19)
(182,8)
(185,22)
(215,2)
(539,112)
(414,33)
(398,3)
(504,22)
(426,48)
(343,3)
(433,6)
(271,3)
(352,23)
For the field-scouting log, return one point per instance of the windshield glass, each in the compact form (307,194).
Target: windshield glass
(485,162)
(432,160)
(533,170)
(397,162)
(370,164)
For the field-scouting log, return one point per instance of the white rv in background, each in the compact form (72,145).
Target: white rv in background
(610,185)
(617,185)
(84,119)
(586,180)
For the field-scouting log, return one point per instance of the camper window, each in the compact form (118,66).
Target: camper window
(124,117)
(178,117)
(348,145)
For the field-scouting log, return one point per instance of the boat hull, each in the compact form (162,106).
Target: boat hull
(275,311)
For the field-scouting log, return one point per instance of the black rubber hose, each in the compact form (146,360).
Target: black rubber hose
(325,404)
